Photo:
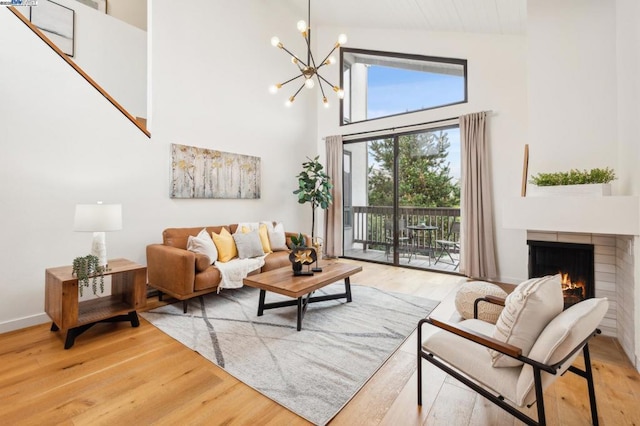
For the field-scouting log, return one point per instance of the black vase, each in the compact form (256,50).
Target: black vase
(301,256)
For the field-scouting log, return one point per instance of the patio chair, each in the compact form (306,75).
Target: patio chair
(449,245)
(468,352)
(404,241)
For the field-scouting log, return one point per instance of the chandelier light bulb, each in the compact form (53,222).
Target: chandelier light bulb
(274,88)
(309,83)
(342,39)
(289,101)
(302,26)
(275,41)
(330,60)
(340,93)
(294,60)
(325,102)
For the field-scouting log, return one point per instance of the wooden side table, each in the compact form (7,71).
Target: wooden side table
(128,293)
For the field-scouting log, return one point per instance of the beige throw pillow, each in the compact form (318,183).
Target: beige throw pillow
(203,244)
(527,311)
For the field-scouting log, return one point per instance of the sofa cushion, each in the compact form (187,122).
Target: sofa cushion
(226,246)
(264,237)
(275,260)
(207,279)
(203,244)
(527,311)
(277,237)
(248,244)
(202,262)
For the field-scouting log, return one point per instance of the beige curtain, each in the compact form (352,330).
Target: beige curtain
(477,250)
(333,215)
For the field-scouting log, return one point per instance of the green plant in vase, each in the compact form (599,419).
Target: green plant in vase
(87,268)
(314,187)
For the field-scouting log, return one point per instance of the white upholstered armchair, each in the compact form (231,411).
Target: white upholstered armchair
(533,343)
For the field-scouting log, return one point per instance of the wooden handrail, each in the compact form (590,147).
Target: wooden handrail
(79,70)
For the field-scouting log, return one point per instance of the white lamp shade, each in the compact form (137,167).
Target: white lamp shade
(98,217)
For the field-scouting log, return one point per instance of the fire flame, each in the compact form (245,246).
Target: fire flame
(567,284)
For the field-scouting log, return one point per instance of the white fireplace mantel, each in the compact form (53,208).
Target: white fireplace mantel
(615,215)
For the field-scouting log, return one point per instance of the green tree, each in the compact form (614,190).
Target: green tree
(424,173)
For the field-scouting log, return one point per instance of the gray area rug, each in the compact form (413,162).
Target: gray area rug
(313,372)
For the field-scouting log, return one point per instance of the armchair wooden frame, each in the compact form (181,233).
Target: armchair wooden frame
(513,352)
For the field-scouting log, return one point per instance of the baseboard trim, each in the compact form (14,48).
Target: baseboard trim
(24,322)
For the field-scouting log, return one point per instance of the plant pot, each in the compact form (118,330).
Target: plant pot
(586,190)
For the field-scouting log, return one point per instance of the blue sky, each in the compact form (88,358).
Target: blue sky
(393,91)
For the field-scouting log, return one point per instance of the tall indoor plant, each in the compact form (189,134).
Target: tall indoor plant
(314,187)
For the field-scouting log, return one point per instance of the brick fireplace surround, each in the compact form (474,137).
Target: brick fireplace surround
(614,240)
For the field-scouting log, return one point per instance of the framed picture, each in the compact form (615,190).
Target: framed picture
(56,22)
(208,173)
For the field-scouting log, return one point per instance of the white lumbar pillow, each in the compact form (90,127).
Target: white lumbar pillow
(527,311)
(203,244)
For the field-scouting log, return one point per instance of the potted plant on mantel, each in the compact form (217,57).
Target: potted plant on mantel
(593,182)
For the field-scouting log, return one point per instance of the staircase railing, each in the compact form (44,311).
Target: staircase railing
(79,70)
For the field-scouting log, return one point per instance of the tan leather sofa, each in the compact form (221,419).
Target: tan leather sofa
(182,274)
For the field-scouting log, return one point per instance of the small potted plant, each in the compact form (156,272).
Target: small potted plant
(87,269)
(574,182)
(301,255)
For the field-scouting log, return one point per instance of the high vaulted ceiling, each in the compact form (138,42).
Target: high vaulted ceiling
(474,16)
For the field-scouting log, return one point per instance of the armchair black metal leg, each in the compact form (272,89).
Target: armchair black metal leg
(419,364)
(592,391)
(539,396)
(185,304)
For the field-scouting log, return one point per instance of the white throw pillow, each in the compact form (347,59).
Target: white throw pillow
(277,237)
(203,244)
(248,244)
(527,311)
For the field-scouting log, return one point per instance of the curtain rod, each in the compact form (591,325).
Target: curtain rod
(349,135)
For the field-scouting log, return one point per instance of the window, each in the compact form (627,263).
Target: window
(382,84)
(403,194)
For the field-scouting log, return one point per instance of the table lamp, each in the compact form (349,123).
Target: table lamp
(98,218)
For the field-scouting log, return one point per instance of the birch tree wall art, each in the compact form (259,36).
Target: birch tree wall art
(207,173)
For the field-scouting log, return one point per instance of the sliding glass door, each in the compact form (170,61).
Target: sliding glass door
(403,195)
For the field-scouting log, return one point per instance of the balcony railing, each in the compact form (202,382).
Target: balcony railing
(373,226)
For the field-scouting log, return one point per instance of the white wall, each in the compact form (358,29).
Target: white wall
(112,53)
(63,143)
(572,85)
(628,69)
(496,81)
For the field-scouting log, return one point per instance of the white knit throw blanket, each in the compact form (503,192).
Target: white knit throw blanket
(235,270)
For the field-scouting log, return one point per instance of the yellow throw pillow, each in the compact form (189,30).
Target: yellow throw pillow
(264,237)
(226,246)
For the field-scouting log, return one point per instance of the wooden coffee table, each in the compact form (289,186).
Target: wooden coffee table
(282,281)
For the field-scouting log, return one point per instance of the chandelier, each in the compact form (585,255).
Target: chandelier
(309,70)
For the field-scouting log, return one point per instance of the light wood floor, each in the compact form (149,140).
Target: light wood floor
(116,375)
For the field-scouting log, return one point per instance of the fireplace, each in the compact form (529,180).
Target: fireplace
(575,263)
